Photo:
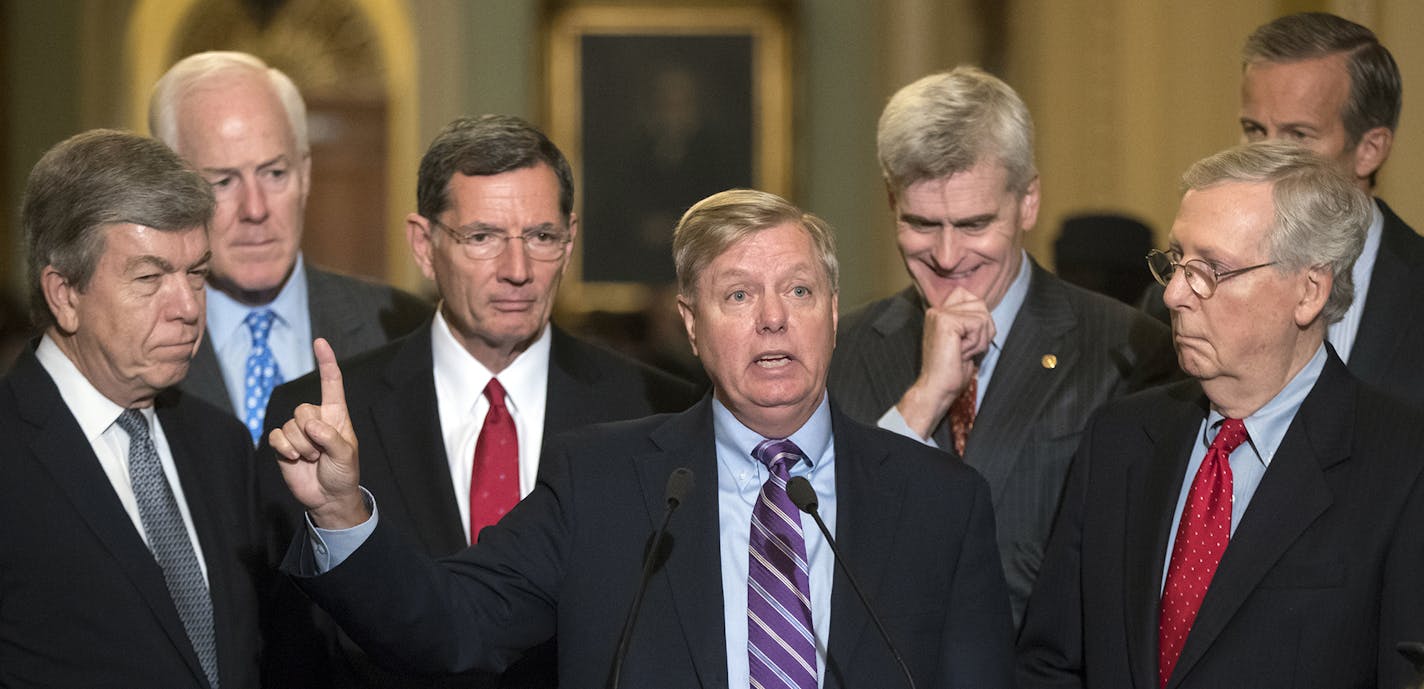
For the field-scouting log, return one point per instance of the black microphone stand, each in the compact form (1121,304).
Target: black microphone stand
(804,496)
(679,482)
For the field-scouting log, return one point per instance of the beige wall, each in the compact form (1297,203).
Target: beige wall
(1400,24)
(1125,93)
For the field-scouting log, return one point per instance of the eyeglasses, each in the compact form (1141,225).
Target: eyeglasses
(540,245)
(1201,277)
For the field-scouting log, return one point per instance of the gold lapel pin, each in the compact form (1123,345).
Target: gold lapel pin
(1049,361)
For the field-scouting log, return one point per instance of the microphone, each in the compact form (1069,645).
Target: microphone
(804,497)
(678,484)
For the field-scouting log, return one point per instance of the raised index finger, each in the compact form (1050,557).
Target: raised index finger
(333,391)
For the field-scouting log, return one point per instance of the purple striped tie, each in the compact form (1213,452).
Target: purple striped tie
(781,647)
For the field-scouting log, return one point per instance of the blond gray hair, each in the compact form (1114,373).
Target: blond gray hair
(1320,215)
(194,70)
(715,223)
(947,123)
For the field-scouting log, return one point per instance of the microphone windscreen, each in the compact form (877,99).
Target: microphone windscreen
(679,482)
(802,494)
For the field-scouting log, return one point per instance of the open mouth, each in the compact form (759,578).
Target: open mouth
(773,360)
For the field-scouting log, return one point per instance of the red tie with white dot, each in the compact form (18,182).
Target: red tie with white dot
(1202,535)
(494,478)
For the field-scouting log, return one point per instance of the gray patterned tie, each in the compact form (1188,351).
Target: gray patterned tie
(168,539)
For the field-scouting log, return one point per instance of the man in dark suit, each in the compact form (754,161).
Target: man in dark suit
(1327,83)
(243,126)
(494,231)
(744,587)
(1257,526)
(126,549)
(985,339)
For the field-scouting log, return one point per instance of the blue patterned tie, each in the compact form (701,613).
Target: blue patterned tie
(781,646)
(262,373)
(168,539)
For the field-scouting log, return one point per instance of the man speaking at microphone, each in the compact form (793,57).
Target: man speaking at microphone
(741,594)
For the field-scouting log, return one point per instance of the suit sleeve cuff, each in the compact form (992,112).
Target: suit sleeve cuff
(895,423)
(331,547)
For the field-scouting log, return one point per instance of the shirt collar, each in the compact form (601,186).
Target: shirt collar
(94,412)
(1364,265)
(1266,428)
(528,373)
(1008,308)
(226,315)
(813,437)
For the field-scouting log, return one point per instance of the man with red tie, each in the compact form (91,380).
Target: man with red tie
(452,418)
(1258,525)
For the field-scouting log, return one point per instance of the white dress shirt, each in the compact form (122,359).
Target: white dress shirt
(460,382)
(96,415)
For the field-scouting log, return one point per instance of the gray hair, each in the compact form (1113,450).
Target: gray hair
(1320,215)
(1375,86)
(947,123)
(487,145)
(94,180)
(715,223)
(194,70)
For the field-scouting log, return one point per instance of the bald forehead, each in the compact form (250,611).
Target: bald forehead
(229,97)
(240,90)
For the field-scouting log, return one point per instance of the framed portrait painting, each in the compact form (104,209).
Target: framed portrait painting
(658,107)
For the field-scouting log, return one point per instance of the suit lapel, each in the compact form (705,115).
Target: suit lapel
(1382,330)
(1292,494)
(570,402)
(204,379)
(1021,386)
(59,445)
(694,565)
(407,422)
(332,315)
(1153,486)
(868,519)
(895,355)
(198,476)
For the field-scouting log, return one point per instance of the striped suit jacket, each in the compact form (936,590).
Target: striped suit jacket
(1035,407)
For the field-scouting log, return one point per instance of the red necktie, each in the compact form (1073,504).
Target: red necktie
(1202,535)
(961,413)
(494,479)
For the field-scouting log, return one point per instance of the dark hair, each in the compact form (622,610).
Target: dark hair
(1375,86)
(93,180)
(487,145)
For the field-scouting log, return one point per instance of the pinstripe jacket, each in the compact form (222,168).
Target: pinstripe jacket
(1035,407)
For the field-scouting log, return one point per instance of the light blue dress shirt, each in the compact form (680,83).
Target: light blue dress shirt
(290,339)
(739,481)
(1341,334)
(1003,316)
(1265,430)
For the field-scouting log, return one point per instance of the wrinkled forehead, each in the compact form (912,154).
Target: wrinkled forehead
(1232,218)
(781,251)
(234,105)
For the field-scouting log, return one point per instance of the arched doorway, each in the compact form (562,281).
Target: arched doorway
(352,61)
